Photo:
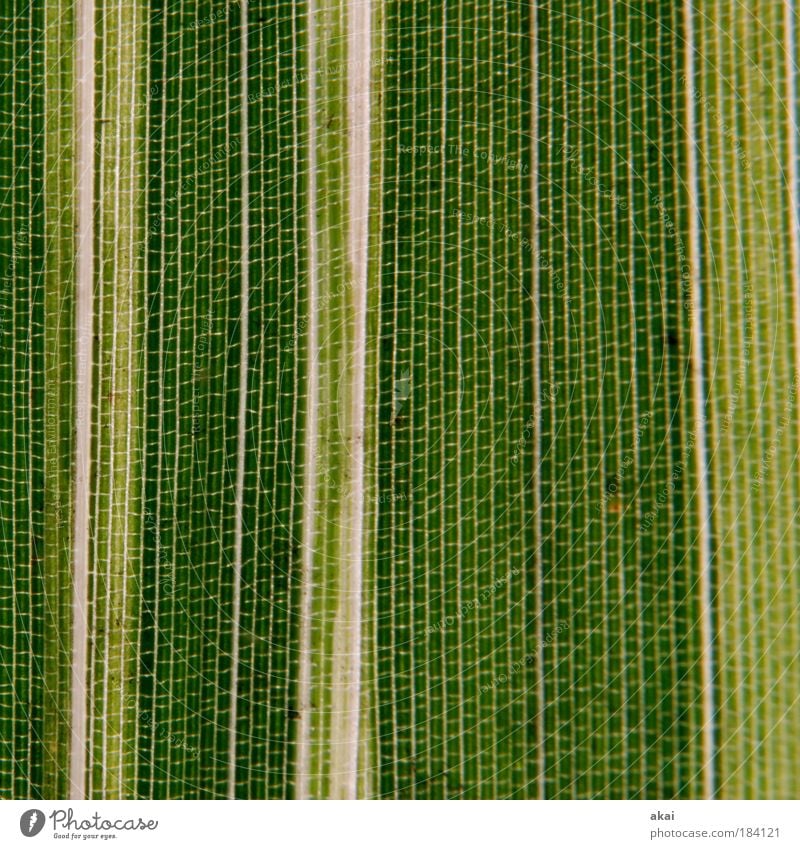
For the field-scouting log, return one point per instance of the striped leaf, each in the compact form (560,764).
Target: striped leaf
(399,399)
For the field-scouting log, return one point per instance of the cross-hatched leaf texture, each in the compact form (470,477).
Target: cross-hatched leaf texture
(399,399)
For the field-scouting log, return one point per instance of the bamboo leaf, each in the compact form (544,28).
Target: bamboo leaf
(399,400)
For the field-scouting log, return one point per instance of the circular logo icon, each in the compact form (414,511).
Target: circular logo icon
(31,822)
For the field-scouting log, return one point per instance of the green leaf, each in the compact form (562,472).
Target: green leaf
(400,400)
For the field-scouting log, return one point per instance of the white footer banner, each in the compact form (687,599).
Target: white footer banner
(402,825)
